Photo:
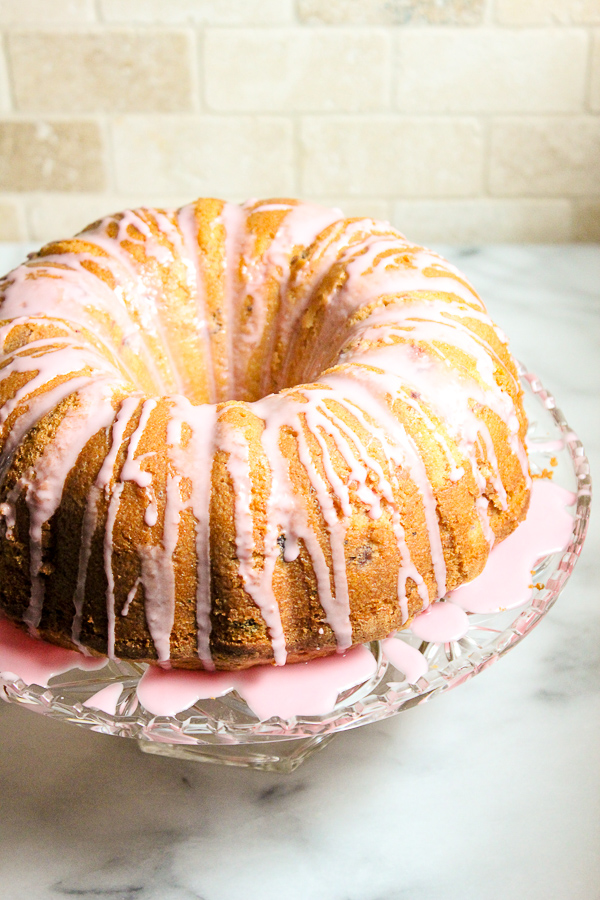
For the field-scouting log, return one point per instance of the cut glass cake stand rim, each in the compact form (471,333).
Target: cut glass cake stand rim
(227,723)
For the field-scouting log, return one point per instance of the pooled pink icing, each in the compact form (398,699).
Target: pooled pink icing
(300,689)
(506,580)
(405,658)
(106,699)
(441,623)
(166,692)
(305,689)
(35,661)
(547,446)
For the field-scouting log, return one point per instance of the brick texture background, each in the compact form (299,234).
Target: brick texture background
(458,120)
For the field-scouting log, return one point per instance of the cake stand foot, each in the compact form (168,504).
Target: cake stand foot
(274,756)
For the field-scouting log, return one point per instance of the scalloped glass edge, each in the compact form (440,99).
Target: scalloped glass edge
(225,730)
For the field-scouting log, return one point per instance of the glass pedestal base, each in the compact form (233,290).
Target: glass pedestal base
(276,756)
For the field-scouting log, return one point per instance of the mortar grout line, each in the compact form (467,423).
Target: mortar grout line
(10,83)
(198,77)
(297,155)
(488,124)
(106,125)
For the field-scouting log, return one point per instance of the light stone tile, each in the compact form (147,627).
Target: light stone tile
(548,12)
(391,12)
(210,155)
(388,156)
(51,155)
(305,70)
(491,70)
(51,216)
(214,12)
(546,156)
(595,73)
(484,221)
(586,220)
(110,71)
(59,12)
(11,221)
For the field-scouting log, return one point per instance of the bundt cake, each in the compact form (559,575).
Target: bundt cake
(234,434)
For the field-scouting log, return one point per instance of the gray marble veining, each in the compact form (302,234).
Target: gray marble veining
(488,792)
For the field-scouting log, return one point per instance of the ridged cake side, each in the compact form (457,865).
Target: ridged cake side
(232,435)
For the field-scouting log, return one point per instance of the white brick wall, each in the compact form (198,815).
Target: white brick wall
(545,157)
(491,70)
(459,120)
(223,155)
(548,12)
(292,70)
(391,157)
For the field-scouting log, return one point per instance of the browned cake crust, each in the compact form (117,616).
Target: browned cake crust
(233,435)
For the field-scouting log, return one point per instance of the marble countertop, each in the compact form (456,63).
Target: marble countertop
(488,792)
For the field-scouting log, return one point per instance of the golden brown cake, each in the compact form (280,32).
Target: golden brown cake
(241,434)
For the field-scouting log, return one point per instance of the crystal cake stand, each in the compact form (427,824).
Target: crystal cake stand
(226,731)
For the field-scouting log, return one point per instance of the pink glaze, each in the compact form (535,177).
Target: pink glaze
(304,689)
(259,587)
(186,217)
(405,658)
(506,580)
(546,446)
(106,699)
(166,692)
(195,460)
(441,623)
(301,689)
(35,661)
